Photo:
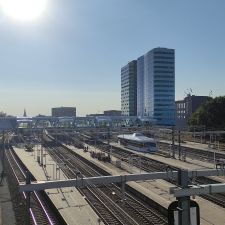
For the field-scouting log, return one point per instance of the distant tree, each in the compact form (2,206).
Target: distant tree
(210,114)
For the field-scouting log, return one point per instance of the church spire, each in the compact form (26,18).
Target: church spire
(24,113)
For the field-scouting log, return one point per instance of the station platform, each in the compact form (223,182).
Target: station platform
(71,204)
(191,164)
(196,145)
(157,190)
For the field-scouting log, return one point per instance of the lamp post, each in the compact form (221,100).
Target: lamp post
(42,140)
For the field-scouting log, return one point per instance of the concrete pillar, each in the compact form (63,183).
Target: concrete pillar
(28,180)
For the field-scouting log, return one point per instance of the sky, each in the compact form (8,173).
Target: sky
(73,53)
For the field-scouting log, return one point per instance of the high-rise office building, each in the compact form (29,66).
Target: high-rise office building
(129,89)
(148,86)
(156,85)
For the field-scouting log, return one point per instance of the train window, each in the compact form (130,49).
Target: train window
(151,144)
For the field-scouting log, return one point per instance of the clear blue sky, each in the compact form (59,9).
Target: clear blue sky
(72,56)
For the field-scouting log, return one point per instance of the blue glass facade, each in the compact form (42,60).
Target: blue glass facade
(156,85)
(140,85)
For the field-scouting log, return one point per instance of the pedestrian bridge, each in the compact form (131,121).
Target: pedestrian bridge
(10,123)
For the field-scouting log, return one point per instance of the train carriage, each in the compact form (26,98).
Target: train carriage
(138,142)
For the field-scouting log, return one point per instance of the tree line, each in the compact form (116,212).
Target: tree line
(210,114)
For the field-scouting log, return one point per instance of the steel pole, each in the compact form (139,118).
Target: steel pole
(3,152)
(173,149)
(183,202)
(179,145)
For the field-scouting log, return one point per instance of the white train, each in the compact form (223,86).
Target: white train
(138,142)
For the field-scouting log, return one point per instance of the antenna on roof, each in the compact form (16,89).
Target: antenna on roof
(210,93)
(188,92)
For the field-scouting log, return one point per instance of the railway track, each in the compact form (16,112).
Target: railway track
(142,162)
(75,138)
(219,199)
(150,165)
(39,212)
(193,153)
(108,201)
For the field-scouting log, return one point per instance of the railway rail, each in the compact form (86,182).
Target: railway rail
(108,201)
(38,212)
(219,199)
(193,153)
(150,165)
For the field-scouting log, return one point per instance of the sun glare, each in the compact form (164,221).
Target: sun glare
(23,10)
